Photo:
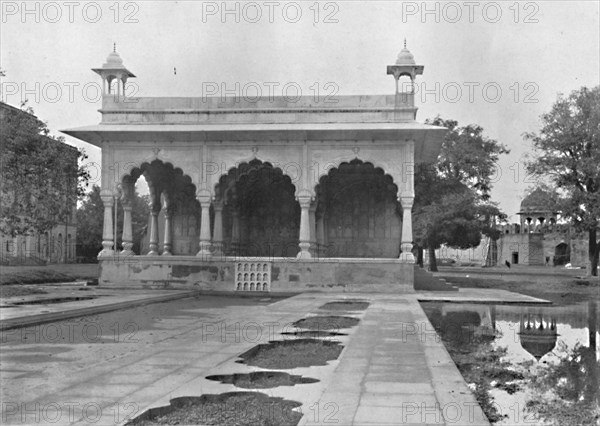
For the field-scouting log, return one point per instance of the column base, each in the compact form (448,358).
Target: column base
(107,249)
(204,250)
(153,250)
(106,253)
(217,249)
(127,245)
(407,258)
(304,251)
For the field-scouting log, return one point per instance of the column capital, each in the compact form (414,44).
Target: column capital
(304,202)
(218,206)
(107,197)
(305,193)
(204,196)
(407,201)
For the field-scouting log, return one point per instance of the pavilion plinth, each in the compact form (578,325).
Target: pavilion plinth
(286,274)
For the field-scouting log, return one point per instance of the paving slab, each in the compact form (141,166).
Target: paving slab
(479,295)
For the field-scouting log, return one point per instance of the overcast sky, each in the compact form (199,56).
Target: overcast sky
(509,59)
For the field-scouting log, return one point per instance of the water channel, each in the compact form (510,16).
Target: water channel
(526,364)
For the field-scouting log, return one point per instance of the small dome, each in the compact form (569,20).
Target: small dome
(537,202)
(405,58)
(113,61)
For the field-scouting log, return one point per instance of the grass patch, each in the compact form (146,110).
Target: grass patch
(35,277)
(227,409)
(326,323)
(19,290)
(262,379)
(347,305)
(287,354)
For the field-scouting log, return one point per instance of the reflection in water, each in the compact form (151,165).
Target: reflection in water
(538,333)
(526,364)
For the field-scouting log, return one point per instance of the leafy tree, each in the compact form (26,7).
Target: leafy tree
(41,179)
(452,204)
(568,153)
(90,218)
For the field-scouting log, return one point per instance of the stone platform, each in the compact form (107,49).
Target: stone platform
(286,274)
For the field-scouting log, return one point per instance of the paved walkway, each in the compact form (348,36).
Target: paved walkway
(393,370)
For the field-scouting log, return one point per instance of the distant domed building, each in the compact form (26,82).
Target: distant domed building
(539,239)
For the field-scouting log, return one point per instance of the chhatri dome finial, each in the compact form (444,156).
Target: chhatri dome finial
(405,57)
(115,46)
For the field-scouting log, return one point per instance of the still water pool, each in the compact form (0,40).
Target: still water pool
(526,364)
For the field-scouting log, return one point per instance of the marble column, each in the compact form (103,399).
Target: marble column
(107,227)
(304,227)
(321,234)
(218,229)
(153,240)
(313,229)
(406,242)
(168,239)
(127,230)
(235,231)
(204,227)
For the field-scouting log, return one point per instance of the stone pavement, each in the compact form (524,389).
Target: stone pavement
(393,369)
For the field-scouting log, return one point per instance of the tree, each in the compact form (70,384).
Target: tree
(90,218)
(41,178)
(452,203)
(568,153)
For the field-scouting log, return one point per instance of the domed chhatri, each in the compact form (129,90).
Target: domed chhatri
(405,66)
(539,201)
(113,61)
(405,57)
(113,69)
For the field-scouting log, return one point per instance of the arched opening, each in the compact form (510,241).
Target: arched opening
(562,254)
(360,212)
(258,212)
(158,212)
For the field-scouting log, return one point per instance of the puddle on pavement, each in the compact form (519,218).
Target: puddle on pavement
(227,409)
(262,379)
(313,333)
(287,354)
(526,364)
(326,323)
(346,305)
